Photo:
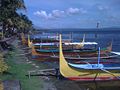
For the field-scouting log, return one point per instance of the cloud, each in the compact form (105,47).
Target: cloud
(59,13)
(76,11)
(73,11)
(101,8)
(53,14)
(43,14)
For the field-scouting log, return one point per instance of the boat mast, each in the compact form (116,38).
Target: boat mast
(98,24)
(98,56)
(71,39)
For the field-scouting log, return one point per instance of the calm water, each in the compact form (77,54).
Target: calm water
(103,39)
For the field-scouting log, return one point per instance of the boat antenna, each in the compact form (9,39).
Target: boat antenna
(98,56)
(98,24)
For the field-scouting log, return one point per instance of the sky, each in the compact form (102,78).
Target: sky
(73,13)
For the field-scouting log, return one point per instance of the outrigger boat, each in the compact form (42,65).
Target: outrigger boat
(30,42)
(74,54)
(47,40)
(81,43)
(87,71)
(52,44)
(55,45)
(67,45)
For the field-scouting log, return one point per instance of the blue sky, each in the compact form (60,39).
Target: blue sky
(73,13)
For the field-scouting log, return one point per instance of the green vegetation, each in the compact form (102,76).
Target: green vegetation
(3,65)
(1,86)
(17,71)
(11,20)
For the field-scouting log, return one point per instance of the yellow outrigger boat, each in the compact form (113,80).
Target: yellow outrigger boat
(29,42)
(24,41)
(87,71)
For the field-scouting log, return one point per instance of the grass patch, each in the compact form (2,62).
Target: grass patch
(18,71)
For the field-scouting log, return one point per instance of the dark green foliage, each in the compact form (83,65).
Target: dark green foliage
(11,20)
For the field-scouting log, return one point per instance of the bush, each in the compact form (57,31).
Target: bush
(3,65)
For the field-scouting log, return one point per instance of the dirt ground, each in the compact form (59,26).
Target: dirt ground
(11,85)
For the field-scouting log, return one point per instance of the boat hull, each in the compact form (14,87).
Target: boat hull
(93,75)
(75,56)
(91,79)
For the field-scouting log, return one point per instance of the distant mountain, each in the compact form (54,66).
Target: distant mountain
(79,29)
(40,28)
(36,27)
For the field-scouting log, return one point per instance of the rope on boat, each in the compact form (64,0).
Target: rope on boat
(118,77)
(78,56)
(53,53)
(87,63)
